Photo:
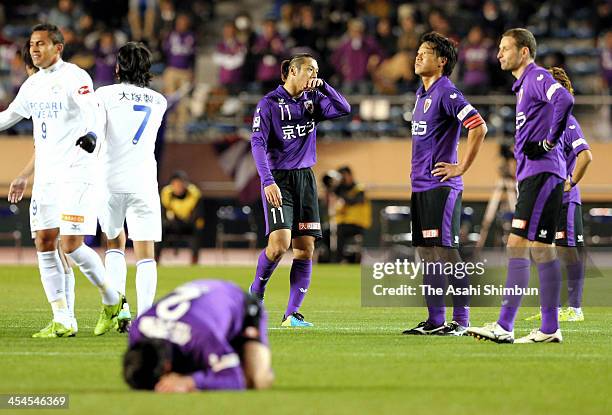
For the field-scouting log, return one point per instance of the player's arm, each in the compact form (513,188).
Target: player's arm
(584,156)
(562,102)
(257,365)
(16,111)
(477,129)
(90,110)
(19,184)
(331,103)
(262,124)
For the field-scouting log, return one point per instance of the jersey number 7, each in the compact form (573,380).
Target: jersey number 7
(147,110)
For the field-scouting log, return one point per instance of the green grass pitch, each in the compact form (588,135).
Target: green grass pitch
(354,361)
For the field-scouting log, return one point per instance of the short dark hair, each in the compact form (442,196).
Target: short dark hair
(296,60)
(134,61)
(27,58)
(55,34)
(443,48)
(145,362)
(524,39)
(181,175)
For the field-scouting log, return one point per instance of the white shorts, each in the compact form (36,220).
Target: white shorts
(142,211)
(71,207)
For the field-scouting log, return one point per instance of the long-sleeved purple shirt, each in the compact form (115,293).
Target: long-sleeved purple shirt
(573,142)
(285,128)
(202,318)
(542,109)
(180,50)
(230,56)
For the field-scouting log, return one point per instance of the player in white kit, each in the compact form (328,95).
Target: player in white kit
(133,115)
(65,115)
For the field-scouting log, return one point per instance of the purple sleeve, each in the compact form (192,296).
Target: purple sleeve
(331,104)
(259,142)
(562,102)
(575,138)
(455,105)
(226,379)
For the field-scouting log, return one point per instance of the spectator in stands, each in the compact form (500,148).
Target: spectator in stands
(438,22)
(269,50)
(305,33)
(606,66)
(355,58)
(410,35)
(182,214)
(492,20)
(385,37)
(180,50)
(474,58)
(603,18)
(105,54)
(142,30)
(353,214)
(65,14)
(230,56)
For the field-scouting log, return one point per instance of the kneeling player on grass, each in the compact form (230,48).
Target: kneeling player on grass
(439,112)
(569,240)
(543,107)
(205,335)
(284,148)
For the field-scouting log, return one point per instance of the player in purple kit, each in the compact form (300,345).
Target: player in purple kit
(439,112)
(543,107)
(284,148)
(569,239)
(204,335)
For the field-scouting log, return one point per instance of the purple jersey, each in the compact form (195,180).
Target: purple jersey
(201,318)
(284,128)
(180,50)
(542,109)
(436,125)
(573,143)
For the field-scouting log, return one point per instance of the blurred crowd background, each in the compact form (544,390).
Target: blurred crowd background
(208,52)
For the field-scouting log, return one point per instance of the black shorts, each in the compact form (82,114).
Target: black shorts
(570,229)
(436,217)
(538,207)
(300,209)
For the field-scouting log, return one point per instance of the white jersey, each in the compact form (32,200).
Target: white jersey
(133,116)
(63,107)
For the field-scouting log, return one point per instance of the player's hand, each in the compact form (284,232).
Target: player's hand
(567,186)
(273,195)
(17,189)
(447,170)
(87,142)
(313,83)
(537,149)
(175,383)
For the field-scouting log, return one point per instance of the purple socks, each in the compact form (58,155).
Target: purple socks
(550,291)
(435,303)
(301,270)
(518,275)
(265,268)
(575,283)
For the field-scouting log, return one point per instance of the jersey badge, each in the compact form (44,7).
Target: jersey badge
(84,90)
(453,95)
(309,106)
(426,105)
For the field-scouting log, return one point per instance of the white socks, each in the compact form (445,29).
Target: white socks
(146,283)
(116,269)
(92,267)
(69,288)
(53,281)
